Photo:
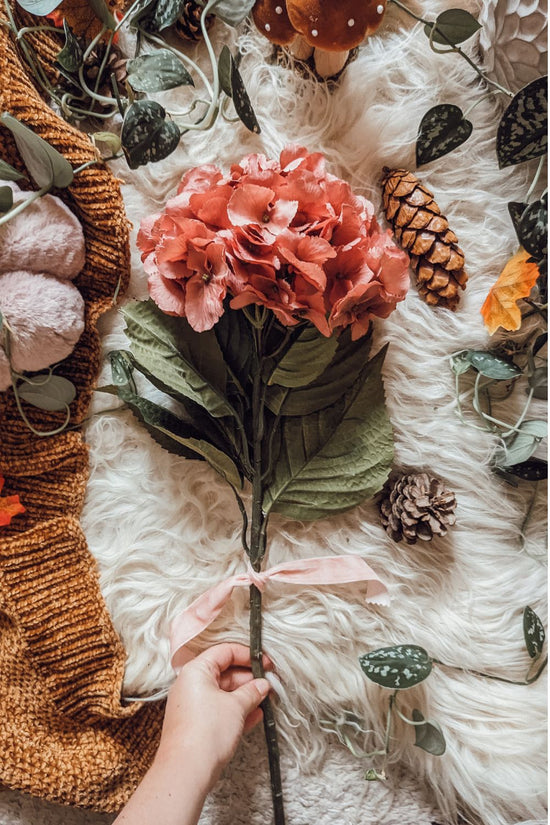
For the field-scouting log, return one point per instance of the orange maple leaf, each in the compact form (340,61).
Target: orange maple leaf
(10,506)
(516,281)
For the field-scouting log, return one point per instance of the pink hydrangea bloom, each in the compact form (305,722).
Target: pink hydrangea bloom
(286,235)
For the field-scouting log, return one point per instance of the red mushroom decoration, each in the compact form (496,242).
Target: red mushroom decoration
(325,28)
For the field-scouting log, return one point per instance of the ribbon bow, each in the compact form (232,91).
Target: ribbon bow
(321,570)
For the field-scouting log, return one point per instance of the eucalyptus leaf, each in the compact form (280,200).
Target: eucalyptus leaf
(233,12)
(523,129)
(452,27)
(7,172)
(45,164)
(490,365)
(225,62)
(6,198)
(429,735)
(166,13)
(523,444)
(39,7)
(534,469)
(188,362)
(307,358)
(48,392)
(442,129)
(333,459)
(146,136)
(533,228)
(533,632)
(102,11)
(399,667)
(157,72)
(70,56)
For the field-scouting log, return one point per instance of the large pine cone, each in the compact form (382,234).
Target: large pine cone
(416,506)
(424,232)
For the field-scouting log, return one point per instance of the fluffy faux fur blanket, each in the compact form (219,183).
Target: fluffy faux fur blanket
(164,529)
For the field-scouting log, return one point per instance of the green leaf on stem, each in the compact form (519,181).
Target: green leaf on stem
(234,336)
(166,13)
(39,7)
(47,392)
(522,444)
(143,14)
(533,228)
(429,735)
(523,129)
(225,61)
(146,135)
(70,56)
(189,363)
(533,632)
(232,84)
(399,667)
(535,469)
(233,12)
(6,198)
(488,364)
(306,359)
(46,165)
(7,172)
(442,129)
(102,11)
(452,27)
(333,459)
(157,72)
(516,210)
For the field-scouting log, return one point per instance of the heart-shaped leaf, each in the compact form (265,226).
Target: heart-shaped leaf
(523,129)
(49,392)
(399,667)
(516,210)
(442,129)
(7,172)
(146,136)
(70,56)
(166,13)
(233,12)
(6,198)
(39,7)
(428,735)
(488,364)
(535,469)
(46,165)
(533,632)
(533,228)
(452,27)
(157,72)
(522,444)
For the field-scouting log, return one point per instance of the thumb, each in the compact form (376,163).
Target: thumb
(252,694)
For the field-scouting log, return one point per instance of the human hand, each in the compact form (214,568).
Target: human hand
(214,699)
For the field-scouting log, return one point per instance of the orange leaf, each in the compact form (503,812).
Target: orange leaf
(82,19)
(516,281)
(10,506)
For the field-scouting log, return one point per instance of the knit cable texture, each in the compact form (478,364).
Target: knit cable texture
(64,735)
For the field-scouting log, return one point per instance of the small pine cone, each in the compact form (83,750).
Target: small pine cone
(424,232)
(188,24)
(114,65)
(416,506)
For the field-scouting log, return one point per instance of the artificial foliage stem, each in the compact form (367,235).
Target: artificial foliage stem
(258,527)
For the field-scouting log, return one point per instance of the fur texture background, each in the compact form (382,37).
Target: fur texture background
(163,529)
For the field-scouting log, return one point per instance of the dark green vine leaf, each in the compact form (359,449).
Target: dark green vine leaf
(39,7)
(333,459)
(428,736)
(234,335)
(535,469)
(533,228)
(7,172)
(6,198)
(233,12)
(232,84)
(452,27)
(516,210)
(306,359)
(143,14)
(157,72)
(101,10)
(70,56)
(399,667)
(46,165)
(442,129)
(488,364)
(166,13)
(146,136)
(533,632)
(51,394)
(523,129)
(225,61)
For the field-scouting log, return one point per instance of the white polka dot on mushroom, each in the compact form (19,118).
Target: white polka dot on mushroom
(351,22)
(267,27)
(380,9)
(314,32)
(278,9)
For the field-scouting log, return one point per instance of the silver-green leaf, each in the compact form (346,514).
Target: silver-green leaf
(428,735)
(490,365)
(146,135)
(48,392)
(522,444)
(7,172)
(233,12)
(399,667)
(533,632)
(442,129)
(157,72)
(46,165)
(39,7)
(523,129)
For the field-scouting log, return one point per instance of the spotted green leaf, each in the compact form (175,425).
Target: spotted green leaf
(523,129)
(146,135)
(399,667)
(233,12)
(157,72)
(442,129)
(533,632)
(488,364)
(70,56)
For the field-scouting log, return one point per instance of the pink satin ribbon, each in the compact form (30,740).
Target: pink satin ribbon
(322,570)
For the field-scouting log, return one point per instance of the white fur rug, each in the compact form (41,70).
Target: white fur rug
(163,529)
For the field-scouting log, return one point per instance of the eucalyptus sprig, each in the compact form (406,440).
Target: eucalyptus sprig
(404,666)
